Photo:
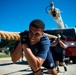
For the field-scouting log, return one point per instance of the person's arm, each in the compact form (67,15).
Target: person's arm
(54,43)
(34,62)
(62,44)
(16,53)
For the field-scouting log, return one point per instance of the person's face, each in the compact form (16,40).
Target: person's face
(35,34)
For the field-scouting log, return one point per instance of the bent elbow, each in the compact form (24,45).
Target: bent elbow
(13,60)
(40,62)
(65,47)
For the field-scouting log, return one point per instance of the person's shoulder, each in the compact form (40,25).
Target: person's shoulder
(45,39)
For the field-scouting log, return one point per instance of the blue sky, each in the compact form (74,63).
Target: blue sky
(16,15)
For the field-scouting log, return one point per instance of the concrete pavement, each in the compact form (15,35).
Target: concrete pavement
(7,67)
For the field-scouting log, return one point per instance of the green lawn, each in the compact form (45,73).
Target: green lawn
(3,55)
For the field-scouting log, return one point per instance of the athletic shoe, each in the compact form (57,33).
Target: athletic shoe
(58,70)
(65,68)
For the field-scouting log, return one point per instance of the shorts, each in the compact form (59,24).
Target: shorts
(49,62)
(59,56)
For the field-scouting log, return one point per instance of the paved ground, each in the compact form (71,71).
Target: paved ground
(7,67)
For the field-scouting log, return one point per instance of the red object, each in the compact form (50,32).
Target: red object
(71,51)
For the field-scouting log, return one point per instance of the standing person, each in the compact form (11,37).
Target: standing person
(59,51)
(36,46)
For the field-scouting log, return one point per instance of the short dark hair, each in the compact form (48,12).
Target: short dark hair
(63,37)
(37,23)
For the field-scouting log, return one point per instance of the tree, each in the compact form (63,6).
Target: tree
(7,43)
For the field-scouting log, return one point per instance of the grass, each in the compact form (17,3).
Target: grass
(3,55)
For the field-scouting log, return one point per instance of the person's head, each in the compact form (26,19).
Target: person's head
(63,37)
(36,29)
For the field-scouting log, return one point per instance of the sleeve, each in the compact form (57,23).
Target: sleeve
(44,47)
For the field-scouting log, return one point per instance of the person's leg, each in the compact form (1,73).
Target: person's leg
(65,68)
(57,66)
(38,72)
(57,63)
(64,65)
(52,71)
(62,60)
(50,65)
(57,58)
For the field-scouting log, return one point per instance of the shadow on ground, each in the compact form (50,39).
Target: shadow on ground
(21,62)
(22,70)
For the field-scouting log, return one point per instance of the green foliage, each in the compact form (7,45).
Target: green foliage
(6,43)
(3,55)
